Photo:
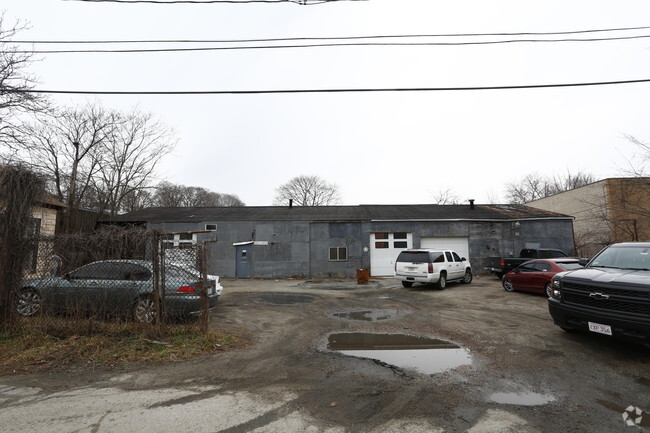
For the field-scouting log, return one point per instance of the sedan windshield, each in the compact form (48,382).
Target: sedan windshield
(623,257)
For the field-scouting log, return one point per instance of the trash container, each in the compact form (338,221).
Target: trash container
(363,275)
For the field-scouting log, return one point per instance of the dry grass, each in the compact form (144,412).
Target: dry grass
(52,343)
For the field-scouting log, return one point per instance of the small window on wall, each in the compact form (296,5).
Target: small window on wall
(381,245)
(400,244)
(211,227)
(381,235)
(399,236)
(338,254)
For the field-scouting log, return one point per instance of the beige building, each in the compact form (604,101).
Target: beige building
(44,228)
(608,211)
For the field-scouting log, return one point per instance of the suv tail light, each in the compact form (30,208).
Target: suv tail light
(430,270)
(502,262)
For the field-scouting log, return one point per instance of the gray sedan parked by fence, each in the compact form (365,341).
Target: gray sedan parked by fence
(116,287)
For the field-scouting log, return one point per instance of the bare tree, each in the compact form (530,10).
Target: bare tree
(445,197)
(533,186)
(636,165)
(19,190)
(131,153)
(231,200)
(171,195)
(68,146)
(15,83)
(307,190)
(96,158)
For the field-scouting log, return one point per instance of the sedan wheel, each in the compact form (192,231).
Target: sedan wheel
(29,302)
(507,284)
(468,277)
(143,310)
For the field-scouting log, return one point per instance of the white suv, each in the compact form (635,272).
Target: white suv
(432,267)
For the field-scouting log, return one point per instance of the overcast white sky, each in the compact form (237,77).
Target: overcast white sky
(379,148)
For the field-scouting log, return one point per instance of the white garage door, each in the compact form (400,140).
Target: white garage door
(384,249)
(458,244)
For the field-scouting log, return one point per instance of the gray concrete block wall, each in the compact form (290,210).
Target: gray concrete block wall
(301,249)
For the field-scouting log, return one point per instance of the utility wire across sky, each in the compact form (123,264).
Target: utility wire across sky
(352,90)
(300,2)
(342,41)
(343,44)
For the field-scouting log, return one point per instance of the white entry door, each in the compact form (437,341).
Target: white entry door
(384,249)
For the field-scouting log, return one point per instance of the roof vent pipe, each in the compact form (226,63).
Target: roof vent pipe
(290,203)
(471,203)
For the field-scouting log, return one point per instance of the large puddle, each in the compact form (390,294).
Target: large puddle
(422,354)
(283,299)
(369,315)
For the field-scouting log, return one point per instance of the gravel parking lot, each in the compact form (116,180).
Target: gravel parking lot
(510,369)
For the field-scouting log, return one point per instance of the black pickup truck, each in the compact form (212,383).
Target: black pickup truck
(611,295)
(500,266)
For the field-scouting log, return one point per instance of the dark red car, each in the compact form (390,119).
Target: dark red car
(535,275)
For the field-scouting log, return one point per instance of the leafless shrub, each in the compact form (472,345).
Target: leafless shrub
(19,190)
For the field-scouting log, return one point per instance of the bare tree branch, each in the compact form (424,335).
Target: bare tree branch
(307,191)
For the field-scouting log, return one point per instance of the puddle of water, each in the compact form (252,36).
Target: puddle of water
(366,315)
(425,355)
(521,398)
(283,299)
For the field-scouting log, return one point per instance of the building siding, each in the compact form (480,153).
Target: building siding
(285,249)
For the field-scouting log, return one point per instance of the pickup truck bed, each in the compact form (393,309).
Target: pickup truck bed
(500,266)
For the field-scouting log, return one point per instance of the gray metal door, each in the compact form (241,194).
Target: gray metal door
(243,265)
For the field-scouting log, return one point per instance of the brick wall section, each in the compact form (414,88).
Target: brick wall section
(588,205)
(629,208)
(607,211)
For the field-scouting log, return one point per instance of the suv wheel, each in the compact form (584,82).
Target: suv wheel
(407,284)
(442,282)
(468,276)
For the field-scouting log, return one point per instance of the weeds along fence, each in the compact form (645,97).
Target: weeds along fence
(115,274)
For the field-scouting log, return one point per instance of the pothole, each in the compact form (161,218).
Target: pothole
(369,315)
(425,355)
(521,398)
(283,299)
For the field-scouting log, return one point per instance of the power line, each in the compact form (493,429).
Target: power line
(300,2)
(345,44)
(352,90)
(325,38)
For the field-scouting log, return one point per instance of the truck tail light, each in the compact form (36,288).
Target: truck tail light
(502,262)
(430,268)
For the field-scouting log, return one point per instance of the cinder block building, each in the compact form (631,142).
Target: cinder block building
(335,241)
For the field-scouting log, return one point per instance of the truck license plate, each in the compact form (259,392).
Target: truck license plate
(601,329)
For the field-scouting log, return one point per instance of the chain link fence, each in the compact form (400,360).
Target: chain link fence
(117,274)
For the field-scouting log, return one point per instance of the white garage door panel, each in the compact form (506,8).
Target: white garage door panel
(458,244)
(382,260)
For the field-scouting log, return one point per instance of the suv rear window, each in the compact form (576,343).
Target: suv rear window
(413,257)
(421,257)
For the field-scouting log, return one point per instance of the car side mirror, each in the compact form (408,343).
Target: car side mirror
(583,261)
(463,259)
